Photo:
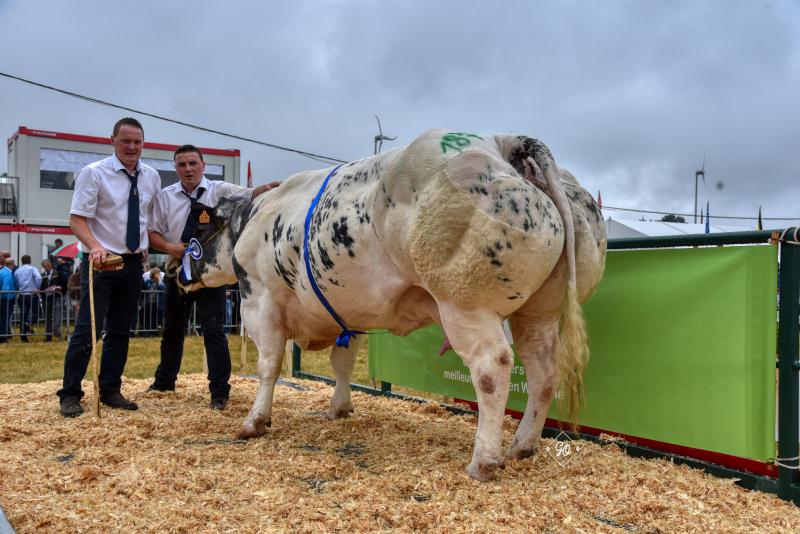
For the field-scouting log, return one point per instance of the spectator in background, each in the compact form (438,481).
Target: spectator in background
(59,261)
(53,287)
(154,288)
(28,282)
(74,290)
(63,267)
(228,310)
(146,274)
(57,244)
(7,296)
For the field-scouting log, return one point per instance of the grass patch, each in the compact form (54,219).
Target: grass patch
(37,361)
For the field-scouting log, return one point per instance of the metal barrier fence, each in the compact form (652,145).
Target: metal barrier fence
(48,315)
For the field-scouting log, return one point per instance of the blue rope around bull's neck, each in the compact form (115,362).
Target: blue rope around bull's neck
(343,340)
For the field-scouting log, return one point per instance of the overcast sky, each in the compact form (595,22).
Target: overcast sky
(629,96)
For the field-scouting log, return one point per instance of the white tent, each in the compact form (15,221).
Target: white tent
(626,228)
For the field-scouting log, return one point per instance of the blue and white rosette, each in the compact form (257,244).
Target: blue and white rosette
(193,252)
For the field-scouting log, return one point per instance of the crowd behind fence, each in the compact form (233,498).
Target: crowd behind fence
(48,315)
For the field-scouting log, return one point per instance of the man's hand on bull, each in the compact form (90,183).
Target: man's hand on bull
(176,250)
(264,188)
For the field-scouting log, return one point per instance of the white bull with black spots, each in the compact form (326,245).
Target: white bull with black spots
(456,229)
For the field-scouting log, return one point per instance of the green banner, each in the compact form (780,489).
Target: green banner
(683,346)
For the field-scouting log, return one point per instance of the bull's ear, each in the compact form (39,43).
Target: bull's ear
(224,210)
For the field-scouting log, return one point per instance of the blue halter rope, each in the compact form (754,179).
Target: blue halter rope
(343,340)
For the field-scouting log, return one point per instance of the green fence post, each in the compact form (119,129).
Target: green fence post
(788,412)
(296,356)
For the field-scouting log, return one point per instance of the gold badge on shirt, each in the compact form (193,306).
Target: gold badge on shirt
(204,217)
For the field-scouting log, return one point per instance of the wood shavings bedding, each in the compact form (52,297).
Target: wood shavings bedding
(174,466)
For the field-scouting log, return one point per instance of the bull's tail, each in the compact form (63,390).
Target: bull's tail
(573,347)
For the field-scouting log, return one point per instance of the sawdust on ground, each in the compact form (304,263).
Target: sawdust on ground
(174,466)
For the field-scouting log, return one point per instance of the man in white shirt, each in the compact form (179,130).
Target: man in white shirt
(28,281)
(146,274)
(110,204)
(170,230)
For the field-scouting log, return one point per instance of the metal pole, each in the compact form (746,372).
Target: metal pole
(788,370)
(296,356)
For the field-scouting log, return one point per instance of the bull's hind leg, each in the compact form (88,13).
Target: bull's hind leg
(270,342)
(477,336)
(537,342)
(342,360)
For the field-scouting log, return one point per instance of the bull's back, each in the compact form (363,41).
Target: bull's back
(345,257)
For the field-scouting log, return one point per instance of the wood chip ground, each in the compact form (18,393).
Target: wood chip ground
(394,466)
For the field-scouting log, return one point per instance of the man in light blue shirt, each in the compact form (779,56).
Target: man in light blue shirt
(28,282)
(7,298)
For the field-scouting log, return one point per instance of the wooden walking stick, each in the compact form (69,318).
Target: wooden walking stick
(113,262)
(95,362)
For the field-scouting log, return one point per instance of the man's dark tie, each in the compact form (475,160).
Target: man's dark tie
(132,230)
(191,221)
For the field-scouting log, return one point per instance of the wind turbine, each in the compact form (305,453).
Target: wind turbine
(699,174)
(380,138)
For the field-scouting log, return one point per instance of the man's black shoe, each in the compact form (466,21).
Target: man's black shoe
(71,407)
(116,400)
(219,403)
(157,387)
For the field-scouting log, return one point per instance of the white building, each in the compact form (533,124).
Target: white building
(36,195)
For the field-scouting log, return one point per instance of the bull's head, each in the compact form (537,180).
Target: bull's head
(208,262)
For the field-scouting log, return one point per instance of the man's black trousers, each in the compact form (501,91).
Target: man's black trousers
(211,316)
(116,299)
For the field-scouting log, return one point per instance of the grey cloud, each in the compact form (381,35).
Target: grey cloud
(629,95)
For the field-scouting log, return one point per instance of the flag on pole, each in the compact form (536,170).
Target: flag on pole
(249,175)
(599,200)
(708,219)
(701,215)
(760,226)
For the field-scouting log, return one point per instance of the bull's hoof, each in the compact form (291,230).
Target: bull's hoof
(340,413)
(520,453)
(482,472)
(253,430)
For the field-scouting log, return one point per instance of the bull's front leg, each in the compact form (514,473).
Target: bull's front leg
(477,336)
(342,361)
(270,341)
(537,344)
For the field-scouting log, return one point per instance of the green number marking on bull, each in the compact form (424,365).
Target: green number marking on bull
(457,141)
